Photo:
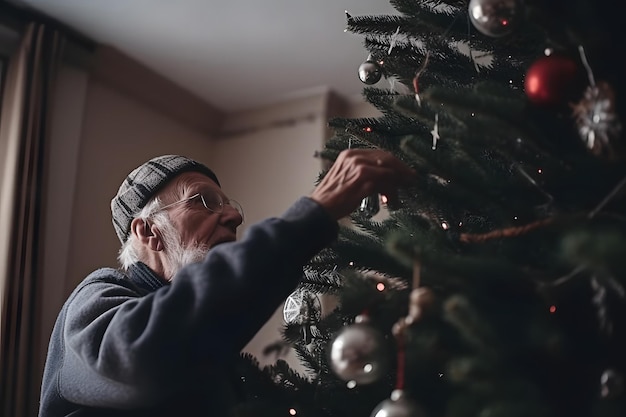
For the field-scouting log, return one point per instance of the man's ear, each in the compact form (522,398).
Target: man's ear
(147,234)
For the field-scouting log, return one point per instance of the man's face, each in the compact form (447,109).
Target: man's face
(194,230)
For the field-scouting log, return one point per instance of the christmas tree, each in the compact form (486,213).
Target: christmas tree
(495,285)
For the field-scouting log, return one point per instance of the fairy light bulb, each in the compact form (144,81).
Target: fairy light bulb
(380,286)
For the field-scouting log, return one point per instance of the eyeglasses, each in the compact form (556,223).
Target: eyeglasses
(211,201)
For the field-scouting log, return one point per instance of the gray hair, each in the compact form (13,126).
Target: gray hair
(128,252)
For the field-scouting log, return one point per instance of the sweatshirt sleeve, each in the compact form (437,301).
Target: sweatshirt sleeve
(131,348)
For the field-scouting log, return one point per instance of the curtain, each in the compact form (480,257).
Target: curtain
(24,126)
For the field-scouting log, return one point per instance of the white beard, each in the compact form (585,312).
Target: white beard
(176,254)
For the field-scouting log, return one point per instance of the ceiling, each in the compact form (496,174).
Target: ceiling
(235,54)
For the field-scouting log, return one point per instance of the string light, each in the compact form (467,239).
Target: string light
(292,411)
(351,384)
(445,225)
(380,286)
(552,309)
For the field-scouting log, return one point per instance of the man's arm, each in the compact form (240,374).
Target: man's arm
(127,350)
(124,350)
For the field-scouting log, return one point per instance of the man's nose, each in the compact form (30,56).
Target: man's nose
(231,215)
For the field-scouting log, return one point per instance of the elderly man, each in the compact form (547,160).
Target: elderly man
(159,336)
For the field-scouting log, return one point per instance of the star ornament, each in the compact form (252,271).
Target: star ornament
(435,132)
(394,40)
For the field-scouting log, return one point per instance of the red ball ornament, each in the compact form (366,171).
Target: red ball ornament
(553,80)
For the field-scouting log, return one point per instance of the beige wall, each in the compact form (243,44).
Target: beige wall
(118,134)
(104,127)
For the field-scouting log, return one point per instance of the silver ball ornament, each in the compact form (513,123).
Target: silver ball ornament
(370,206)
(495,18)
(370,71)
(398,405)
(358,353)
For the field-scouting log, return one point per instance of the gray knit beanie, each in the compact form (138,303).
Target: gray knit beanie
(143,183)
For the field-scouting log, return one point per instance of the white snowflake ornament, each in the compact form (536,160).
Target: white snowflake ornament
(597,121)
